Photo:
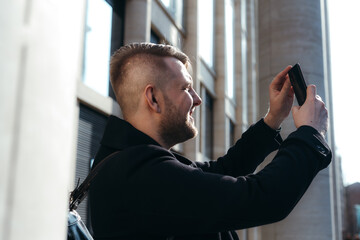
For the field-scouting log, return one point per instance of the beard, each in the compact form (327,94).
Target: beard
(175,127)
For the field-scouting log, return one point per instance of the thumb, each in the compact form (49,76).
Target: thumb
(311,91)
(295,110)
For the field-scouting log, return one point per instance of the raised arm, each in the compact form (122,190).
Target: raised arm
(260,139)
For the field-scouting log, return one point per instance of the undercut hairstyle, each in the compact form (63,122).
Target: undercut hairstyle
(135,65)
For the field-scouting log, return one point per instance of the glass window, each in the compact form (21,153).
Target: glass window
(154,38)
(357,215)
(90,130)
(167,3)
(229,45)
(206,31)
(208,129)
(175,8)
(244,85)
(97,46)
(231,133)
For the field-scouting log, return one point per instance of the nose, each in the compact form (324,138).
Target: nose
(196,99)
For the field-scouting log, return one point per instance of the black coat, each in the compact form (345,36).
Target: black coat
(149,192)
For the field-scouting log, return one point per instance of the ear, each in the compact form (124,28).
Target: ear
(151,99)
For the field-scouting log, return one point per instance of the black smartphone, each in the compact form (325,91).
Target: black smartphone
(298,82)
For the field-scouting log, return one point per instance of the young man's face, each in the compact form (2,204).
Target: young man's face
(177,124)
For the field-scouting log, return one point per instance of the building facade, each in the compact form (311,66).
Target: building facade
(236,48)
(352,211)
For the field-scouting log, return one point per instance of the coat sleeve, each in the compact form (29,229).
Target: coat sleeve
(248,152)
(165,196)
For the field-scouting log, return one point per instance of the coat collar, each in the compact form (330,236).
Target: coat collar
(120,134)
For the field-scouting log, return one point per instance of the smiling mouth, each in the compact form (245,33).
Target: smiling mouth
(192,111)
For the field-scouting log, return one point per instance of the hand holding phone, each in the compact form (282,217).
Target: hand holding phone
(313,113)
(298,83)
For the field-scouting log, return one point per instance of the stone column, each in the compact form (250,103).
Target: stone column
(220,131)
(290,31)
(241,50)
(249,59)
(252,60)
(246,64)
(40,64)
(137,21)
(191,46)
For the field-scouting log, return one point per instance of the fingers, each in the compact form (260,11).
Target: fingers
(284,72)
(281,77)
(312,113)
(318,98)
(286,89)
(281,83)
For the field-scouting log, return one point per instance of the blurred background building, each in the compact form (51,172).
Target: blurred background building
(56,96)
(352,211)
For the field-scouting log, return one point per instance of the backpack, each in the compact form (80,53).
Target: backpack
(76,228)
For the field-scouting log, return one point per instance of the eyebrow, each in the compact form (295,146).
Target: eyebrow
(189,79)
(186,85)
(188,82)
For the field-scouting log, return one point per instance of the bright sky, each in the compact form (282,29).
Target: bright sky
(344,19)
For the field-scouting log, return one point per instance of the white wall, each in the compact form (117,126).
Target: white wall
(40,64)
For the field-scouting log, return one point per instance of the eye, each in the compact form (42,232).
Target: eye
(187,88)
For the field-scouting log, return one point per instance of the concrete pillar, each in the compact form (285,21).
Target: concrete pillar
(290,31)
(137,21)
(252,60)
(220,60)
(335,167)
(249,92)
(254,233)
(40,64)
(191,46)
(238,68)
(246,64)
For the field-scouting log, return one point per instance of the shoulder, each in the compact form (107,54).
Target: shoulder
(148,151)
(146,155)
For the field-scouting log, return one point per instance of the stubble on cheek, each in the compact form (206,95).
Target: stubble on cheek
(177,128)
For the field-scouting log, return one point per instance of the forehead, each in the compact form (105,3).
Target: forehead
(178,69)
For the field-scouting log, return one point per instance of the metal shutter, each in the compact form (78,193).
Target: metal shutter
(90,131)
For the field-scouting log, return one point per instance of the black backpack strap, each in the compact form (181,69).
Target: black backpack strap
(80,192)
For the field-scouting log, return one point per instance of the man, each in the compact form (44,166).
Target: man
(149,192)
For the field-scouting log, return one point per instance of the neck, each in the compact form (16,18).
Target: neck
(150,127)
